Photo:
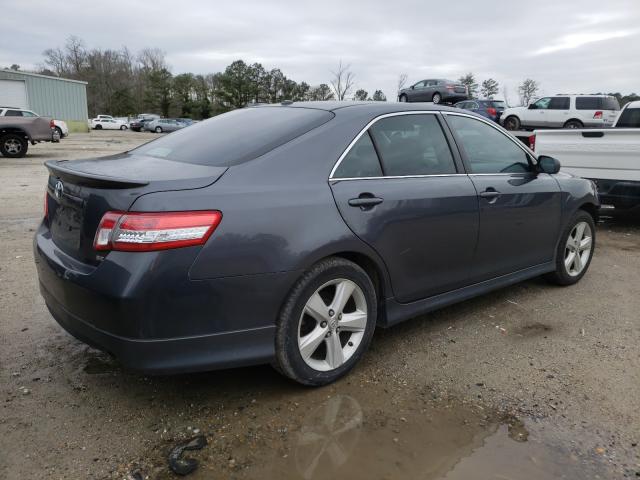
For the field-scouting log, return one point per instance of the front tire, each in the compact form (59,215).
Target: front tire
(575,250)
(403,98)
(437,98)
(98,127)
(123,127)
(158,129)
(326,323)
(13,145)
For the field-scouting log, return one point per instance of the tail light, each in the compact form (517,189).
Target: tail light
(597,115)
(532,142)
(46,205)
(52,124)
(492,111)
(145,232)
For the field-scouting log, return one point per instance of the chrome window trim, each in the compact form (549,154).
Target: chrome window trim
(395,177)
(364,130)
(497,127)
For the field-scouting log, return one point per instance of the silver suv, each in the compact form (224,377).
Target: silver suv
(563,111)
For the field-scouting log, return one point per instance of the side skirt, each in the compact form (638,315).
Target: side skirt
(397,312)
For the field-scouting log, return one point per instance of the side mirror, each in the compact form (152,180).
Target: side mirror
(532,106)
(548,164)
(412,87)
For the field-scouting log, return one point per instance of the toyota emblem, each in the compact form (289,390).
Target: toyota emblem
(59,189)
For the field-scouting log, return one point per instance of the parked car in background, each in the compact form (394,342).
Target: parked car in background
(285,234)
(563,111)
(609,156)
(629,116)
(107,124)
(60,125)
(16,132)
(137,125)
(491,109)
(434,90)
(186,121)
(161,125)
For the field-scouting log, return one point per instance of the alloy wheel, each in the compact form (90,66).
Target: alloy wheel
(12,146)
(578,249)
(332,324)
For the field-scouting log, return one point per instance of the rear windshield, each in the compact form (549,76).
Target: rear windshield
(630,118)
(498,104)
(237,136)
(597,103)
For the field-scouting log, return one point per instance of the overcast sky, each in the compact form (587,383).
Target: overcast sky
(568,46)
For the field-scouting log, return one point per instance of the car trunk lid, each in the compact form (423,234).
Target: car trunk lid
(80,192)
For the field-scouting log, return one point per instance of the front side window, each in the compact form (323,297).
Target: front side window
(419,84)
(542,104)
(361,161)
(412,145)
(487,150)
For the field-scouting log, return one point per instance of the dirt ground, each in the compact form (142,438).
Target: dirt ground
(530,382)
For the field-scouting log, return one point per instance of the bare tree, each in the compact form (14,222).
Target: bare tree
(56,60)
(76,54)
(342,82)
(402,81)
(528,90)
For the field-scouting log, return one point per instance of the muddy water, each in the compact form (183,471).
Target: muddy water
(365,432)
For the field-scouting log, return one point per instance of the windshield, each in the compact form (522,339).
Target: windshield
(630,118)
(237,136)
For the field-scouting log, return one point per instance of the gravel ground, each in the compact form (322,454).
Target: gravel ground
(530,382)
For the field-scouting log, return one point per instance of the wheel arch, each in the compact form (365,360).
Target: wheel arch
(15,130)
(564,125)
(591,209)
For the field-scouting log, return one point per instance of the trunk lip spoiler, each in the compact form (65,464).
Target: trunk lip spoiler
(89,179)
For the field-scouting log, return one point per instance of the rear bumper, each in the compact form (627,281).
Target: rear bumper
(144,309)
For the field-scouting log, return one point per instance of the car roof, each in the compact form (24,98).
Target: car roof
(373,107)
(634,104)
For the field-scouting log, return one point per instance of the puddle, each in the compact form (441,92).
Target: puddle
(368,433)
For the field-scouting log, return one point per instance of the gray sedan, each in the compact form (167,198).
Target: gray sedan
(434,90)
(164,125)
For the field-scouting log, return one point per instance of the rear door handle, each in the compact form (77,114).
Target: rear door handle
(365,201)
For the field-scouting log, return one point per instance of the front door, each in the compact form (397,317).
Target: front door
(520,209)
(412,204)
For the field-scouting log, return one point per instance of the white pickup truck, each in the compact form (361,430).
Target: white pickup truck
(608,156)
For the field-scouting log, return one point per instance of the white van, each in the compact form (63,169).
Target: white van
(563,111)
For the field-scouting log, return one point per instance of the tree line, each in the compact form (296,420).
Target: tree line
(121,83)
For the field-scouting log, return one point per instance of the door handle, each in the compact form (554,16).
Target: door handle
(365,201)
(490,194)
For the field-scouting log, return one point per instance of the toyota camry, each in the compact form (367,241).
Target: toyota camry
(286,234)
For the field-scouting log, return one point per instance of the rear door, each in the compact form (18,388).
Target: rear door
(400,188)
(520,209)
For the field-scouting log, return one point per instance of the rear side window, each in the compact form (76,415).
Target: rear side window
(236,137)
(13,113)
(630,118)
(597,103)
(559,103)
(487,150)
(412,145)
(361,161)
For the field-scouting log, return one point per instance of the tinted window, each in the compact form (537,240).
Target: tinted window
(498,104)
(13,113)
(588,103)
(488,150)
(361,161)
(610,103)
(559,103)
(630,118)
(412,145)
(28,114)
(237,136)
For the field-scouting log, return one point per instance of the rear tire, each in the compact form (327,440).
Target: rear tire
(512,123)
(437,98)
(123,127)
(98,127)
(575,250)
(59,130)
(158,129)
(13,145)
(573,124)
(315,344)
